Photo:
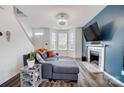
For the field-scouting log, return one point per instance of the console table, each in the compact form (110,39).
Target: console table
(31,77)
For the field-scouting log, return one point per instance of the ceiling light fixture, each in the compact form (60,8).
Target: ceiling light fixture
(62,19)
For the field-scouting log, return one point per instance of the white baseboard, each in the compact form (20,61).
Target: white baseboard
(114,79)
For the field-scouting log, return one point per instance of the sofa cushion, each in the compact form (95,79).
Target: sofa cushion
(54,58)
(65,67)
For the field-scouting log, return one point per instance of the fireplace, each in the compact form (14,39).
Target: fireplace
(96,56)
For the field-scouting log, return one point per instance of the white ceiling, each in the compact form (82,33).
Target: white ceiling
(45,15)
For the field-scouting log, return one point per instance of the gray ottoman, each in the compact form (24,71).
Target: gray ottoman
(65,70)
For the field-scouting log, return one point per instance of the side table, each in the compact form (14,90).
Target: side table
(31,77)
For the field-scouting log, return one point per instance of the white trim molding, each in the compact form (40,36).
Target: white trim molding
(114,79)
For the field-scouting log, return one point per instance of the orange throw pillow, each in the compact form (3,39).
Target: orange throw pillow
(41,49)
(50,53)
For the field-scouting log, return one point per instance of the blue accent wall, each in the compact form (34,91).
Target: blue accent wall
(111,24)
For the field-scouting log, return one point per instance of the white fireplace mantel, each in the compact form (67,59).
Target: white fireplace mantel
(100,48)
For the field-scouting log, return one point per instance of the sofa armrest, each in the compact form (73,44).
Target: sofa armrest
(46,70)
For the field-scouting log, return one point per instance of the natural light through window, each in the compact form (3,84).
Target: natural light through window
(72,41)
(62,41)
(53,41)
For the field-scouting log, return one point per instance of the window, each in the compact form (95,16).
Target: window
(62,41)
(53,41)
(72,41)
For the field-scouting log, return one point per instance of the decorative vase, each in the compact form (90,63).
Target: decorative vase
(30,63)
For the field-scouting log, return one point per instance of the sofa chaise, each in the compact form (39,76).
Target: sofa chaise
(53,69)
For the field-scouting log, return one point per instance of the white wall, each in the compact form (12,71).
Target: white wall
(11,52)
(40,41)
(27,29)
(78,43)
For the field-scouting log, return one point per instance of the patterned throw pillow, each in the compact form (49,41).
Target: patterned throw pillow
(39,58)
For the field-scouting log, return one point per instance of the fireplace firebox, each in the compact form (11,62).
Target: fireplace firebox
(94,57)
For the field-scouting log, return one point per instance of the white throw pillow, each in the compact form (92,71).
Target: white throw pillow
(39,58)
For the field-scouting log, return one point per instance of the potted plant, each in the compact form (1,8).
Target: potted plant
(31,59)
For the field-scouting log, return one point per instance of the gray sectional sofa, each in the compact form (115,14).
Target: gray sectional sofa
(53,69)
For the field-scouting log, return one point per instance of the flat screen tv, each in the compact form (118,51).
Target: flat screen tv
(92,33)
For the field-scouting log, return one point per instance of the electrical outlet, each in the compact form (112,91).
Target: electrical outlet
(122,72)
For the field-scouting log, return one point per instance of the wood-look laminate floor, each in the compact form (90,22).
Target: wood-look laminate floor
(86,79)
